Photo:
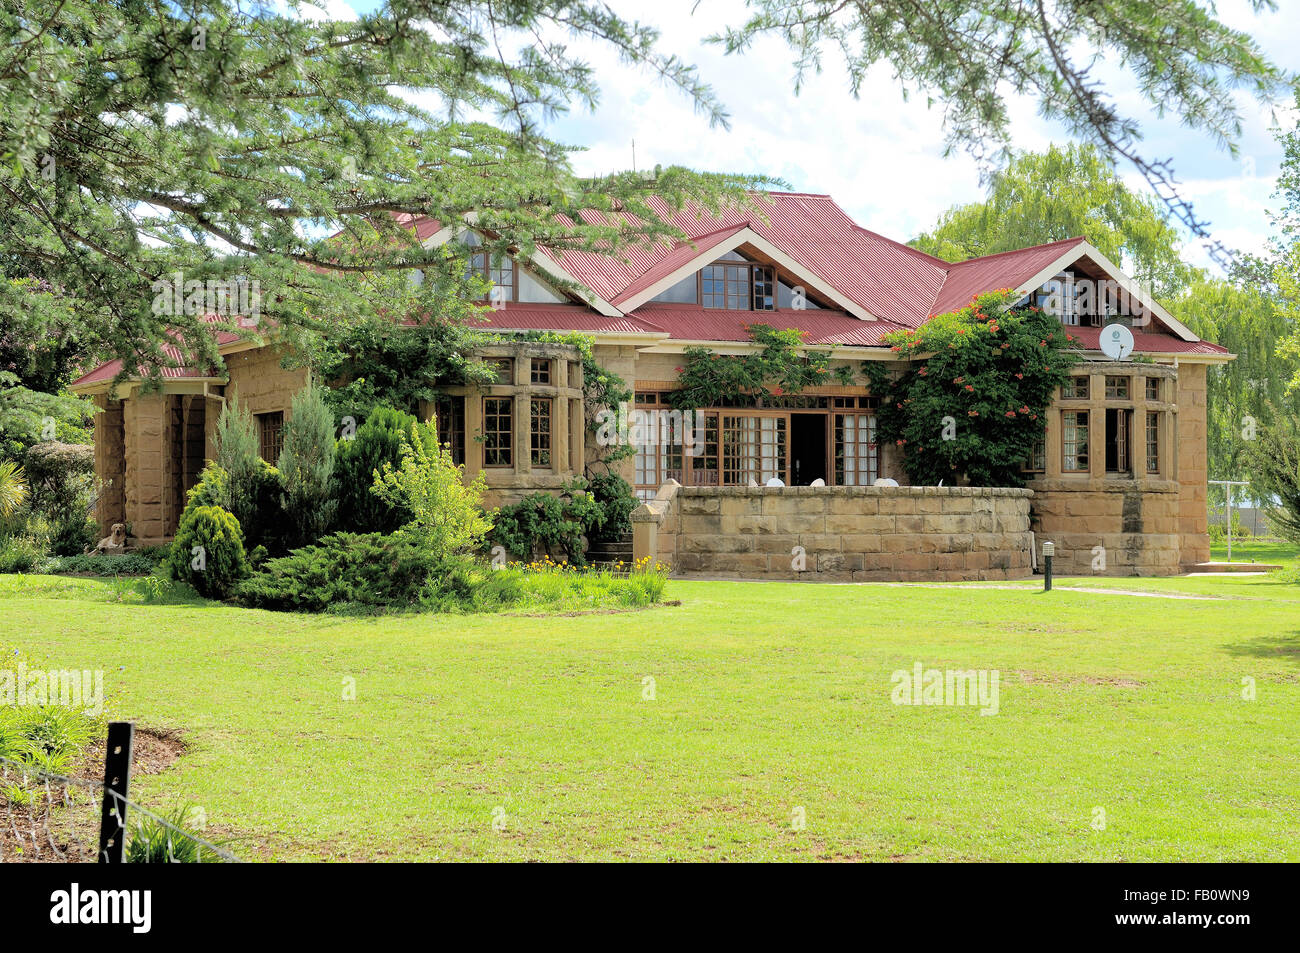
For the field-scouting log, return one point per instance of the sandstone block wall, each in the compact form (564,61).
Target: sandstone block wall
(259,381)
(839,533)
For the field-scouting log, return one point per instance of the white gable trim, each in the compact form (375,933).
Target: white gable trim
(539,263)
(747,236)
(1088,250)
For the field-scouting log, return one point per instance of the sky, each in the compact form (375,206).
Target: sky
(881,155)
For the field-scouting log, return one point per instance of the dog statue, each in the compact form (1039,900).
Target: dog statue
(114,543)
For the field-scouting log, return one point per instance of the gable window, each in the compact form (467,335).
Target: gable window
(737,286)
(270,428)
(498,432)
(499,270)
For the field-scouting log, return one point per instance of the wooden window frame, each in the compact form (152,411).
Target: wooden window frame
(265,440)
(1118,379)
(541,440)
(728,269)
(479,264)
(1072,381)
(1153,388)
(449,417)
(504,455)
(1065,441)
(540,370)
(1153,441)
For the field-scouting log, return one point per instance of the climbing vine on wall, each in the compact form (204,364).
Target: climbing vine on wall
(780,367)
(972,404)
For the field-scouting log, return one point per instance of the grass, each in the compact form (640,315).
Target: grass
(1250,550)
(768,697)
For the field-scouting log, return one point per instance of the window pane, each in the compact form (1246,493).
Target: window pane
(498,432)
(540,417)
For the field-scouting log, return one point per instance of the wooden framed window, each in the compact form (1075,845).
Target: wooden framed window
(504,368)
(753,448)
(449,416)
(1153,388)
(500,272)
(857,460)
(541,370)
(539,416)
(1117,388)
(1119,440)
(738,286)
(1036,462)
(498,432)
(270,428)
(1153,440)
(1075,388)
(1074,444)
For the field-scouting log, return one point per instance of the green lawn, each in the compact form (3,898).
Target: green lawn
(769,697)
(1257,551)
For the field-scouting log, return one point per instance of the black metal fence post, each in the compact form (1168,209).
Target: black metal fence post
(117,776)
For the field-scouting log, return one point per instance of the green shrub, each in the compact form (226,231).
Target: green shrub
(208,551)
(21,553)
(378,441)
(445,511)
(74,537)
(370,569)
(975,406)
(13,488)
(136,563)
(154,841)
(544,524)
(307,468)
(617,499)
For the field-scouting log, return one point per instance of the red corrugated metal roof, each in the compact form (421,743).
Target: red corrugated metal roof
(691,322)
(560,317)
(1005,270)
(1147,342)
(106,372)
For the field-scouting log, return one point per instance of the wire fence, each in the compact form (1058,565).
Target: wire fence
(53,818)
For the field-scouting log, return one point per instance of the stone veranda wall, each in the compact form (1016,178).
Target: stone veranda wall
(874,534)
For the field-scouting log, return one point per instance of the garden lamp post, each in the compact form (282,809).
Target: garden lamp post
(1049,550)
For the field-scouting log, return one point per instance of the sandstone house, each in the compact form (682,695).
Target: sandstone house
(1122,465)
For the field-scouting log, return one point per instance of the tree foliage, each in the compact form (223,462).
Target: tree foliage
(1274,462)
(973,54)
(447,512)
(307,468)
(976,406)
(230,142)
(378,441)
(1245,394)
(1062,193)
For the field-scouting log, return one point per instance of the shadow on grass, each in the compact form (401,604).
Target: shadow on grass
(1284,648)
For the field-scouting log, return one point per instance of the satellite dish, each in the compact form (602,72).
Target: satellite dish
(1116,341)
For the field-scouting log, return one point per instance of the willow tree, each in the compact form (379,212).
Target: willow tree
(1042,197)
(972,55)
